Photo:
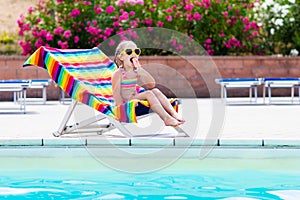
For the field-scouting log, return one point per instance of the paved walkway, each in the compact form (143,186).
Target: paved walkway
(236,123)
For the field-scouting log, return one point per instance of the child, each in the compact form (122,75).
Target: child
(129,74)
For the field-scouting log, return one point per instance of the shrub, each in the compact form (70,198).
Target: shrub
(281,22)
(222,28)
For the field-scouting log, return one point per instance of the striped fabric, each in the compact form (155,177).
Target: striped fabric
(85,74)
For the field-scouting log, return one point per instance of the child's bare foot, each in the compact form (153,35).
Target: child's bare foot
(172,122)
(178,118)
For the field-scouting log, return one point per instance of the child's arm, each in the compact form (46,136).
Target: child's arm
(145,77)
(116,79)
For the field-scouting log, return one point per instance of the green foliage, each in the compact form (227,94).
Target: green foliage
(221,27)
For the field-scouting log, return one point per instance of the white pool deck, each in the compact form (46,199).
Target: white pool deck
(238,123)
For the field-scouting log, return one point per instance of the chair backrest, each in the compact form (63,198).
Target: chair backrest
(84,74)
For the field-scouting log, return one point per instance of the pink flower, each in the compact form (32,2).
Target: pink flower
(232,42)
(26,47)
(124,16)
(98,10)
(247,28)
(189,17)
(254,26)
(174,42)
(120,2)
(155,2)
(30,10)
(43,33)
(63,45)
(141,2)
(197,16)
(110,9)
(208,41)
(67,34)
(108,31)
(150,29)
(160,24)
(221,34)
(152,9)
(169,10)
(148,22)
(59,1)
(210,52)
(116,24)
(169,18)
(111,42)
(225,14)
(206,4)
(35,33)
(86,3)
(49,36)
(75,12)
(179,47)
(39,43)
(131,13)
(76,39)
(92,30)
(255,33)
(174,7)
(59,30)
(189,7)
(246,21)
(133,24)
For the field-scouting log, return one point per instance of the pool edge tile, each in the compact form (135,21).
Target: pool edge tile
(195,142)
(108,141)
(21,142)
(282,142)
(152,142)
(241,142)
(64,142)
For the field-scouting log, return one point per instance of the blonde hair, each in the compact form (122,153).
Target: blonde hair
(121,46)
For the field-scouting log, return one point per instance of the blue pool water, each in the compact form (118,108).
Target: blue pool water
(70,174)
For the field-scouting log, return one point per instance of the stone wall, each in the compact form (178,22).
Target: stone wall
(176,76)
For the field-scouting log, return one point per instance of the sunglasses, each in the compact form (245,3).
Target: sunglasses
(130,51)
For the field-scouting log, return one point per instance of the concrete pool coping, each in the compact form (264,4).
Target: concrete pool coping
(146,142)
(244,124)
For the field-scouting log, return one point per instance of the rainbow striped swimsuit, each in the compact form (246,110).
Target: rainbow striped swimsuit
(128,86)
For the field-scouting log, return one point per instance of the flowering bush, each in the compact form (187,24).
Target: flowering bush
(281,21)
(222,28)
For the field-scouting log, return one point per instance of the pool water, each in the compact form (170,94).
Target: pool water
(214,184)
(71,177)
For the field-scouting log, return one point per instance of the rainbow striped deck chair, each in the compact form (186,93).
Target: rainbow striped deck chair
(85,75)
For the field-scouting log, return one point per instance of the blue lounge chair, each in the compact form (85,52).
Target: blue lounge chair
(237,83)
(18,87)
(280,82)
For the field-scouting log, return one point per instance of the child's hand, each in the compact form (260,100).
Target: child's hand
(135,62)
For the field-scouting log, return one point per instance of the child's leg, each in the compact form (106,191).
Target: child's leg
(166,104)
(156,106)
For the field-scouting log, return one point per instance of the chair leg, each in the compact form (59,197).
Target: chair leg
(225,93)
(269,93)
(299,92)
(65,119)
(24,101)
(264,94)
(44,95)
(250,94)
(292,93)
(255,93)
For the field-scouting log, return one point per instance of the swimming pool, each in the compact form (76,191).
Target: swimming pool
(226,173)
